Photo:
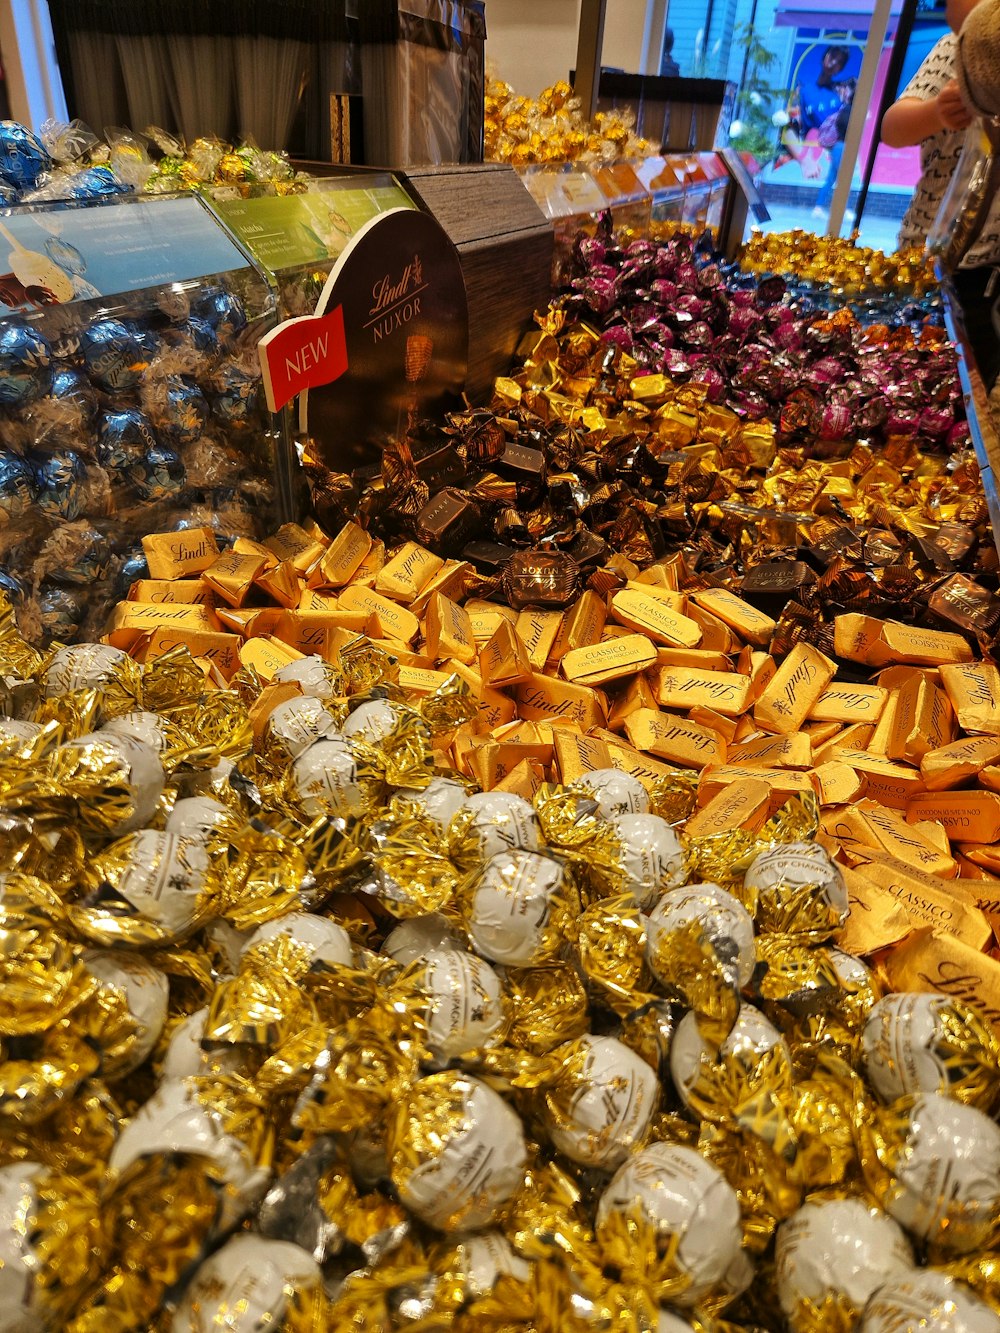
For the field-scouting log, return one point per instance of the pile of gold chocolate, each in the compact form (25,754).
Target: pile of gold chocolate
(844,265)
(552,128)
(380,956)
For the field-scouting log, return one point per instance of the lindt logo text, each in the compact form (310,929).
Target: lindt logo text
(396,300)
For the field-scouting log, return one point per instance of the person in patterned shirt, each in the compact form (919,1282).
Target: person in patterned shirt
(931,113)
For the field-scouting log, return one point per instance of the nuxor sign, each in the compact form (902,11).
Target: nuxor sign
(388,343)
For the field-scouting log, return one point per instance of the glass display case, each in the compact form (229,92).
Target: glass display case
(130,399)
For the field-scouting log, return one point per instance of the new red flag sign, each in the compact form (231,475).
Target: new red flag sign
(301,354)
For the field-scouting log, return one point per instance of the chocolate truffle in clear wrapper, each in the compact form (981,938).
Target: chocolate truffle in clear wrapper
(650,857)
(440,800)
(420,936)
(249,1285)
(521,908)
(795,888)
(600,1108)
(295,724)
(189,1116)
(139,763)
(456,1151)
(134,996)
(924,1300)
(752,1038)
(724,920)
(615,792)
(837,1251)
(314,677)
(324,779)
(916,1043)
(494,821)
(465,1008)
(667,1195)
(943,1164)
(318,939)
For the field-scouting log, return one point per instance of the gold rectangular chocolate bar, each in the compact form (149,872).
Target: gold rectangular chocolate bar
(839,784)
(524,780)
(675,739)
(638,693)
(761,670)
(716,636)
(854,636)
(222,650)
(987,858)
(177,555)
(935,724)
(707,717)
(402,577)
(849,703)
(342,558)
(743,804)
(650,615)
(537,630)
(791,751)
(281,582)
(917,646)
(873,825)
(907,698)
(581,625)
(367,572)
(627,759)
(394,621)
(318,601)
(544,698)
(935,961)
(448,631)
(967,816)
(293,543)
(974,691)
(699,658)
(890,784)
(794,689)
(822,733)
(130,620)
(492,762)
(602,663)
(687,687)
(676,600)
(232,575)
(449,581)
(267,656)
(486,616)
(951,765)
(749,623)
(422,680)
(876,919)
(188,592)
(249,546)
(782,782)
(504,660)
(927,899)
(494,708)
(576,755)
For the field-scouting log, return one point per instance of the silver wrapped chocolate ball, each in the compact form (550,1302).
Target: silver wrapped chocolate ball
(836,1250)
(144,773)
(22,1308)
(682,1198)
(924,1300)
(324,780)
(297,723)
(198,817)
(465,1009)
(188,1056)
(600,1108)
(140,991)
(521,908)
(148,728)
(918,1042)
(162,876)
(372,722)
(795,888)
(440,800)
(16,734)
(320,940)
(944,1164)
(724,920)
(615,792)
(456,1151)
(247,1286)
(419,936)
(752,1038)
(314,677)
(84,666)
(494,821)
(650,856)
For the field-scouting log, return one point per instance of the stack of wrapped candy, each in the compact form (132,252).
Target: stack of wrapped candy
(71,162)
(380,955)
(552,128)
(848,268)
(115,420)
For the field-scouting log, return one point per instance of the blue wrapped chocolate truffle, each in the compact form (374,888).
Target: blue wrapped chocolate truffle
(71,386)
(115,353)
(61,612)
(85,555)
(25,365)
(224,311)
(124,438)
(201,334)
(18,488)
(23,158)
(59,478)
(159,475)
(236,399)
(12,588)
(177,408)
(96,183)
(133,568)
